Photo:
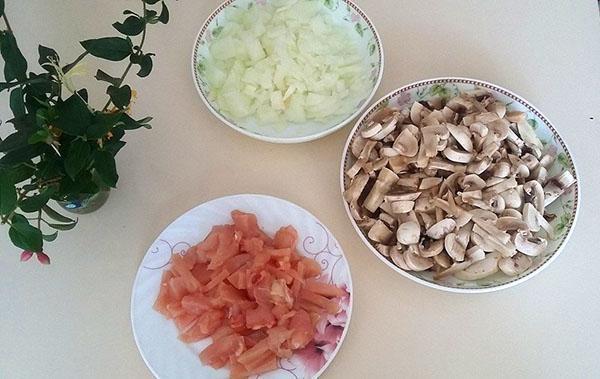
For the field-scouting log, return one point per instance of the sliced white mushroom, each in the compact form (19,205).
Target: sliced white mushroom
(371,129)
(534,193)
(456,155)
(508,224)
(530,217)
(531,161)
(539,174)
(471,182)
(516,265)
(479,166)
(379,232)
(388,219)
(441,229)
(385,180)
(406,143)
(475,254)
(504,185)
(357,185)
(402,206)
(462,134)
(512,213)
(482,269)
(549,229)
(467,196)
(358,143)
(528,134)
(529,245)
(547,160)
(443,260)
(479,129)
(415,112)
(416,262)
(512,198)
(388,127)
(428,183)
(483,215)
(499,128)
(453,248)
(408,233)
(398,259)
(385,250)
(557,186)
(497,107)
(515,116)
(429,248)
(389,152)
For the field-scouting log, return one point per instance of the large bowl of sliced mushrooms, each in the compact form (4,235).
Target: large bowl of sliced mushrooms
(460,185)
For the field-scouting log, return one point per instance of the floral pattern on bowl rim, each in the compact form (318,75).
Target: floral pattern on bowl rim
(345,10)
(564,209)
(167,357)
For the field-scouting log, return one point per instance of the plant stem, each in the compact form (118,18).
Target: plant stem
(28,81)
(79,59)
(9,216)
(122,78)
(7,24)
(39,220)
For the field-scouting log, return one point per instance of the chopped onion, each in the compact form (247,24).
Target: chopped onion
(285,62)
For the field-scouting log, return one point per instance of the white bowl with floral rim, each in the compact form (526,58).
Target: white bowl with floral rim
(156,337)
(564,209)
(343,11)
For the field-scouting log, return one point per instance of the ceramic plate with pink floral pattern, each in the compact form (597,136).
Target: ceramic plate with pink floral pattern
(156,337)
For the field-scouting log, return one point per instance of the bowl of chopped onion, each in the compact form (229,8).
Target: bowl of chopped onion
(287,71)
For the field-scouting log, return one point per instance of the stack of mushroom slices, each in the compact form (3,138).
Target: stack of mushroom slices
(457,187)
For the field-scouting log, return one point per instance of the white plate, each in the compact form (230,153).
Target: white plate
(564,209)
(345,12)
(156,337)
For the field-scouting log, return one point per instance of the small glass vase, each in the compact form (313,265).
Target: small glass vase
(86,203)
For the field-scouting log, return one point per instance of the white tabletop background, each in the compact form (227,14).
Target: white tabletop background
(71,319)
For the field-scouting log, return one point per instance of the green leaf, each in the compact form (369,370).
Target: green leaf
(145,63)
(372,49)
(22,154)
(563,160)
(216,31)
(46,54)
(17,106)
(62,227)
(164,14)
(1,8)
(114,147)
(74,116)
(8,194)
(35,203)
(120,97)
(77,157)
(104,163)
(359,29)
(20,173)
(41,135)
(104,77)
(150,16)
(110,48)
(56,216)
(102,124)
(151,2)
(24,235)
(132,26)
(131,124)
(50,237)
(14,141)
(15,65)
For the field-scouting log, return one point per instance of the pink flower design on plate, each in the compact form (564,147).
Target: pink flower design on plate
(403,99)
(355,17)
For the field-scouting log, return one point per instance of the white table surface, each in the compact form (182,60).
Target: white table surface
(71,319)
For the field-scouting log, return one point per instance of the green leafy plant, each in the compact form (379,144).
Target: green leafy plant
(61,146)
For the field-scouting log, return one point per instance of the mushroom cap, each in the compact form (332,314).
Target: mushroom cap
(506,223)
(462,135)
(453,248)
(529,245)
(406,143)
(379,232)
(443,260)
(402,206)
(535,194)
(471,182)
(441,229)
(416,262)
(415,112)
(512,199)
(388,127)
(501,169)
(508,212)
(479,166)
(515,265)
(482,269)
(428,183)
(398,259)
(456,155)
(475,254)
(385,250)
(357,185)
(431,249)
(371,129)
(530,217)
(408,233)
(358,143)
